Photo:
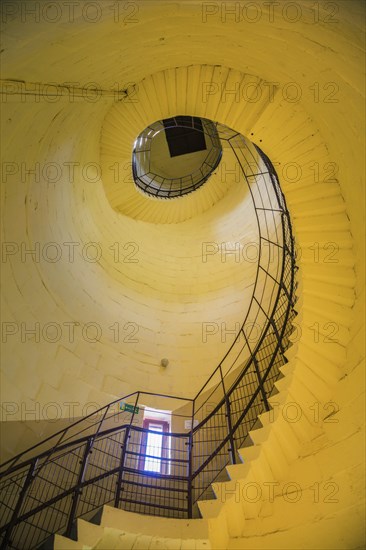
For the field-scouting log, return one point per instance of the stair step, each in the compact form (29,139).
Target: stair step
(284,432)
(226,490)
(154,525)
(305,191)
(64,543)
(321,389)
(309,239)
(325,368)
(97,518)
(291,352)
(276,398)
(333,293)
(322,328)
(299,407)
(339,313)
(331,351)
(113,538)
(283,383)
(323,206)
(331,274)
(261,470)
(209,508)
(276,455)
(89,533)
(336,222)
(259,435)
(287,369)
(266,418)
(249,453)
(326,253)
(297,411)
(238,471)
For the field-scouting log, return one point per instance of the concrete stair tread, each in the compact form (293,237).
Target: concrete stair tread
(238,471)
(324,205)
(154,525)
(64,543)
(342,276)
(249,453)
(88,532)
(209,508)
(328,291)
(117,533)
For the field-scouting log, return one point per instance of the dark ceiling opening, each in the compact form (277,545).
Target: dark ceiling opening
(185,137)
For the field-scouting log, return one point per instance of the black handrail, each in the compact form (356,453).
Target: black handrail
(90,464)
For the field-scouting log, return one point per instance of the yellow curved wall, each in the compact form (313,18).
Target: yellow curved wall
(308,62)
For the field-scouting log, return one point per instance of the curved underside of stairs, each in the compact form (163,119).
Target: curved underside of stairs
(300,484)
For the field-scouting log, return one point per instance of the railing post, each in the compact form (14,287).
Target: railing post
(101,421)
(279,341)
(28,480)
(260,382)
(78,490)
(123,455)
(84,463)
(121,467)
(190,466)
(229,423)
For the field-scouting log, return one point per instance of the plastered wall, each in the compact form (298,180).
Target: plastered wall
(316,121)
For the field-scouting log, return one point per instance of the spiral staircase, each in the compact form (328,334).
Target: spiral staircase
(92,463)
(312,429)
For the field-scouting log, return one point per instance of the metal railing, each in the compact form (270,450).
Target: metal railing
(103,458)
(156,185)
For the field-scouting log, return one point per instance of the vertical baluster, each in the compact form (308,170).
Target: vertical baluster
(28,480)
(78,490)
(260,382)
(121,467)
(229,422)
(190,466)
(123,456)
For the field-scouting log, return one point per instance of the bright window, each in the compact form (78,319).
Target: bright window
(155,446)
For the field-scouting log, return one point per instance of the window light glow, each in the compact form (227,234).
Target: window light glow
(154,448)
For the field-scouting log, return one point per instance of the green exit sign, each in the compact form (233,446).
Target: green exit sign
(126,407)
